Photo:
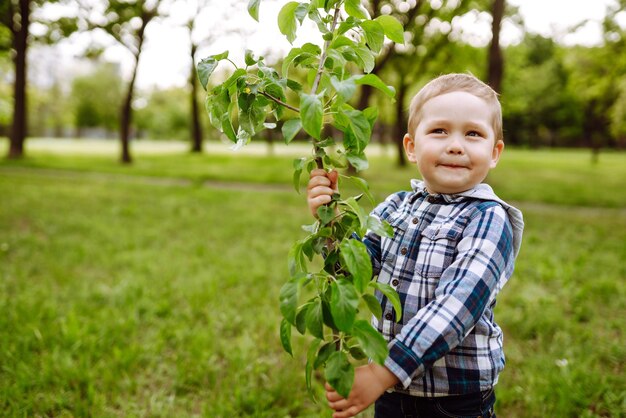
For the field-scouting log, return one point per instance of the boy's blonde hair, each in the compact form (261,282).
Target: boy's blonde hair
(451,83)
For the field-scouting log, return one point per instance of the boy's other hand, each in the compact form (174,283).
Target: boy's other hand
(320,189)
(370,381)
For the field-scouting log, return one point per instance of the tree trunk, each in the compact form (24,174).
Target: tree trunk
(496,62)
(401,122)
(127,109)
(126,118)
(20,44)
(196,129)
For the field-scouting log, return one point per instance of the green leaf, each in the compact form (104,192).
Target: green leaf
(290,129)
(287,20)
(371,341)
(249,58)
(358,262)
(357,353)
(354,9)
(323,355)
(371,113)
(374,81)
(379,227)
(206,67)
(326,214)
(374,34)
(288,297)
(345,88)
(227,127)
(291,56)
(392,27)
(234,78)
(301,12)
(253,9)
(298,166)
(311,114)
(295,259)
(310,359)
(344,301)
(301,318)
(366,57)
(339,373)
(358,160)
(285,336)
(392,295)
(356,124)
(341,41)
(251,113)
(363,186)
(314,320)
(373,305)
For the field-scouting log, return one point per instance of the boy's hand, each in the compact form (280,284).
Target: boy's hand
(321,187)
(370,382)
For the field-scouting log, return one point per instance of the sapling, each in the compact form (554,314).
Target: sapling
(258,97)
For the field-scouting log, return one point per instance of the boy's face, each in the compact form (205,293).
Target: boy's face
(454,144)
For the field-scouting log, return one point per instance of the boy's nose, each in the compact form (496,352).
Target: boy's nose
(454,146)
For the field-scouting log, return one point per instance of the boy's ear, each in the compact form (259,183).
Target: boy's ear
(496,153)
(409,148)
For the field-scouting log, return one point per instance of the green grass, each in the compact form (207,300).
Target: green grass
(563,177)
(139,298)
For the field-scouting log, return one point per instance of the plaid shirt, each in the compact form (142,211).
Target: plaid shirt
(448,259)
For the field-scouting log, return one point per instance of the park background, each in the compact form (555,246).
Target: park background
(141,258)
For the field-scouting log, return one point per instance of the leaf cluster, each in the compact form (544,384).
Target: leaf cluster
(340,289)
(324,304)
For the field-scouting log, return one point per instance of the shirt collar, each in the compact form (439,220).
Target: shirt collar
(479,191)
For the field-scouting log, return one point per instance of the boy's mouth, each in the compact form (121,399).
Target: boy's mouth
(452,165)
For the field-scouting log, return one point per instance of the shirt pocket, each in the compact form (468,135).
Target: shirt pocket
(437,249)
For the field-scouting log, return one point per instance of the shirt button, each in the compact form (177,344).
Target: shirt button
(432,199)
(388,316)
(395,282)
(404,250)
(415,220)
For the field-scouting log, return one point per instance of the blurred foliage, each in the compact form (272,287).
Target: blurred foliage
(552,95)
(105,86)
(165,114)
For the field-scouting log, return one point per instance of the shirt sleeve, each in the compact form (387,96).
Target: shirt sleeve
(482,263)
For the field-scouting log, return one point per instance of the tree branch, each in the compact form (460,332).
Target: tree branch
(274,99)
(320,67)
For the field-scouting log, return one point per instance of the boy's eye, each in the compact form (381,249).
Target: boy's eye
(438,131)
(474,133)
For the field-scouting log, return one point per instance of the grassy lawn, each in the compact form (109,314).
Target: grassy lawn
(159,299)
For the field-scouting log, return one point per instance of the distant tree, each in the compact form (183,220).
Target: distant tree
(165,114)
(496,62)
(95,99)
(541,105)
(15,18)
(126,22)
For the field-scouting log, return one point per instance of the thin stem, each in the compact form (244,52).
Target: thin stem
(320,69)
(280,102)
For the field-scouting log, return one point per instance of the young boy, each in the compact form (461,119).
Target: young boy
(453,249)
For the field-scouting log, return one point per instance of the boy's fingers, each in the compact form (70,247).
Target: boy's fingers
(319,200)
(318,172)
(333,176)
(320,191)
(318,181)
(350,412)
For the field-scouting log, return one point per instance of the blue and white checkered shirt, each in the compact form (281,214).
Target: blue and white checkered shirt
(448,259)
